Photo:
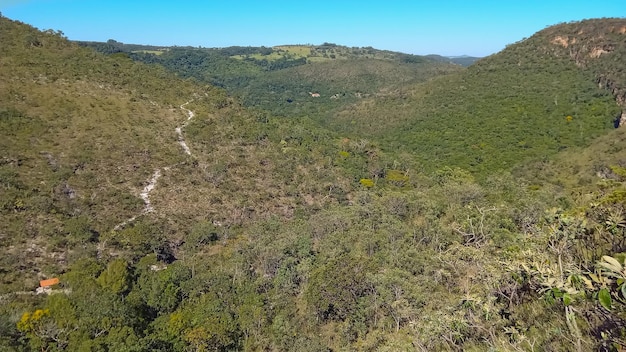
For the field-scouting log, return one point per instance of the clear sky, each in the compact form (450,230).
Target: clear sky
(452,27)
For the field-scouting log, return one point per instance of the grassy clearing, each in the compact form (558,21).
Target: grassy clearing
(271,57)
(298,50)
(280,52)
(154,52)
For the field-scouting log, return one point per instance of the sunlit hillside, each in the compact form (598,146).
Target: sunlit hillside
(531,100)
(312,198)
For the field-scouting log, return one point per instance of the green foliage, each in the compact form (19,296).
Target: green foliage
(619,171)
(161,290)
(335,289)
(366,182)
(604,297)
(397,178)
(502,110)
(115,277)
(272,236)
(202,234)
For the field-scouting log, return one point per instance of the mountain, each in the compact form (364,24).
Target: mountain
(594,46)
(184,203)
(284,79)
(85,133)
(531,100)
(446,121)
(81,133)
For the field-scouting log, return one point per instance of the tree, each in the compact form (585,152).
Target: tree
(160,290)
(50,327)
(116,277)
(335,288)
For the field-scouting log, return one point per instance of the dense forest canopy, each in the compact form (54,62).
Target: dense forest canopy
(312,198)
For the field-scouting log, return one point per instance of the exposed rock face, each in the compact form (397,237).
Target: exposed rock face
(620,97)
(598,51)
(560,40)
(590,44)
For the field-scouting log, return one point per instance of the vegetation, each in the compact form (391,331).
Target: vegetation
(285,79)
(443,208)
(492,115)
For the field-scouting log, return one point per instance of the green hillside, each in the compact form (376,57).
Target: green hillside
(80,135)
(285,80)
(535,98)
(83,133)
(291,91)
(426,207)
(530,100)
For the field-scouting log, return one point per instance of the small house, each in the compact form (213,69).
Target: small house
(49,282)
(45,286)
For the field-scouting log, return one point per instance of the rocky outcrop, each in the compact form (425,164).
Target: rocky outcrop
(616,90)
(621,120)
(596,46)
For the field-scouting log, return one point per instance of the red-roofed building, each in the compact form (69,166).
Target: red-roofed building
(49,282)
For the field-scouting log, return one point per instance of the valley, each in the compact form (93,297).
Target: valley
(313,197)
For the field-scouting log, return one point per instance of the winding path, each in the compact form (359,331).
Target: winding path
(179,130)
(152,182)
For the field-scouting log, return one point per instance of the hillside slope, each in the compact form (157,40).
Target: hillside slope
(81,134)
(87,139)
(530,100)
(177,219)
(595,46)
(292,80)
(318,89)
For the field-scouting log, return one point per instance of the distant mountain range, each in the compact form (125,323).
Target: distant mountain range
(312,52)
(462,60)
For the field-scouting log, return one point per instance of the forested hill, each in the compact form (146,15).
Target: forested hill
(553,91)
(535,98)
(597,46)
(83,135)
(286,80)
(178,218)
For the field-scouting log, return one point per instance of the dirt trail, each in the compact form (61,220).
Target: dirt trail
(179,130)
(152,182)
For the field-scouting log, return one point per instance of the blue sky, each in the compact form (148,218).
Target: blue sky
(452,27)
